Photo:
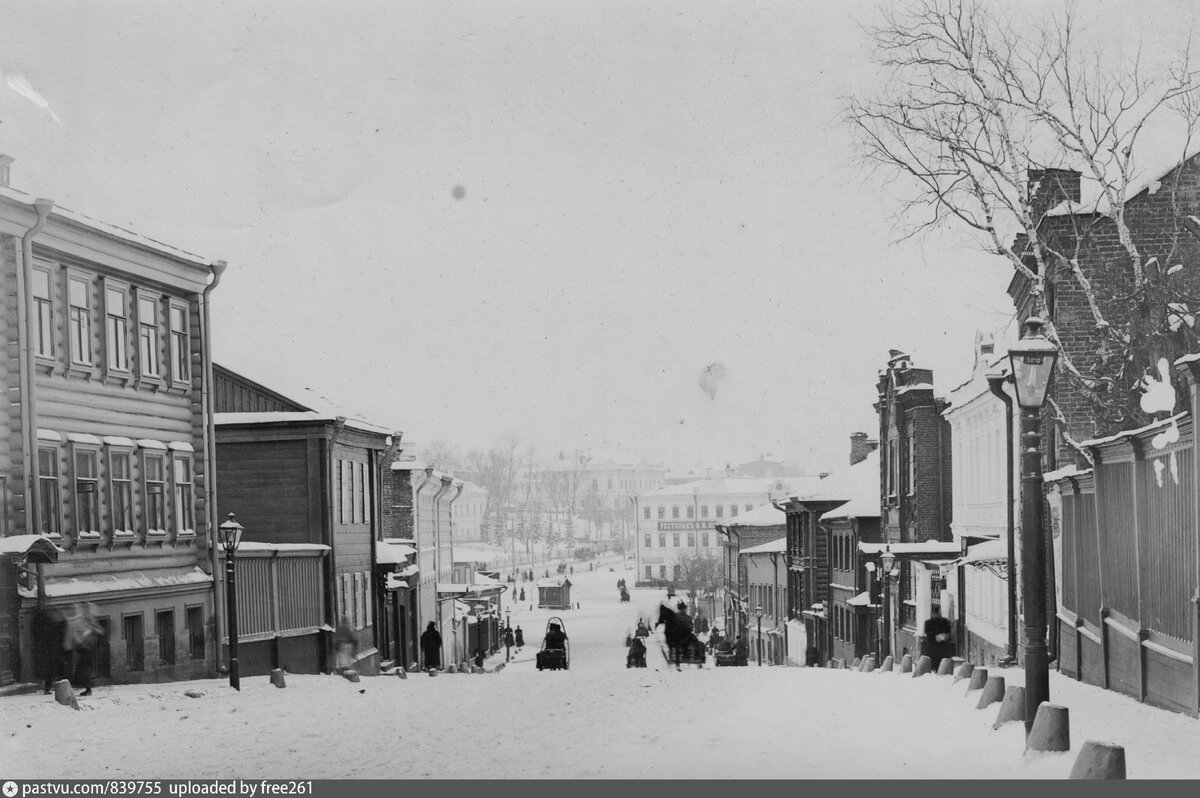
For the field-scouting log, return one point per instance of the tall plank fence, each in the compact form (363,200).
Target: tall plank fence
(1127,618)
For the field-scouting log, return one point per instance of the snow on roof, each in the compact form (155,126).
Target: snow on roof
(863,599)
(1062,473)
(924,547)
(858,482)
(1130,433)
(108,229)
(19,544)
(452,587)
(58,587)
(392,553)
(988,551)
(861,507)
(483,580)
(254,545)
(408,465)
(730,486)
(763,515)
(286,417)
(554,581)
(770,547)
(1159,165)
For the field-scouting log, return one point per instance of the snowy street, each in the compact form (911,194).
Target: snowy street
(596,720)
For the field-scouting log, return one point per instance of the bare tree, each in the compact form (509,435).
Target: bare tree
(981,122)
(442,455)
(700,573)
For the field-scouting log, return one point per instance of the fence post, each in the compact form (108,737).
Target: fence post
(1104,643)
(1079,649)
(1142,636)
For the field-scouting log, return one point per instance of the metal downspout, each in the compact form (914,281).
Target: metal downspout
(28,376)
(996,385)
(210,449)
(416,537)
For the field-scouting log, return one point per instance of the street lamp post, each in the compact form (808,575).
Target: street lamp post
(231,536)
(1033,359)
(758,613)
(479,628)
(887,561)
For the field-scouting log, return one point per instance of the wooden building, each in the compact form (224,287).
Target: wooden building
(554,593)
(298,475)
(743,531)
(104,340)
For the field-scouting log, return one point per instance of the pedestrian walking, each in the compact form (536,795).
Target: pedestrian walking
(48,633)
(479,657)
(79,640)
(938,644)
(509,641)
(431,646)
(520,637)
(344,646)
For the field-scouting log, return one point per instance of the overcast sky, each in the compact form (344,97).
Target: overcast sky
(461,219)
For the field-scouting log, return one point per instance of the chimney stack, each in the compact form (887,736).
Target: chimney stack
(860,447)
(1049,188)
(5,163)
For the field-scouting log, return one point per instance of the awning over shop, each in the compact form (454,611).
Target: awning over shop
(387,552)
(929,549)
(31,548)
(453,588)
(863,599)
(116,583)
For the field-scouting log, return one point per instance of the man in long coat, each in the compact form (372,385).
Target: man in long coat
(431,646)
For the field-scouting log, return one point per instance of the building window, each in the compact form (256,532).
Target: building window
(595,485)
(675,540)
(361,494)
(732,510)
(48,496)
(912,464)
(892,470)
(704,539)
(79,291)
(749,507)
(121,479)
(610,483)
(185,517)
(181,372)
(116,327)
(674,512)
(662,541)
(148,352)
(195,632)
(691,540)
(43,313)
(675,572)
(646,513)
(340,493)
(662,512)
(135,656)
(649,571)
(720,511)
(704,511)
(647,540)
(164,624)
(156,507)
(662,572)
(87,494)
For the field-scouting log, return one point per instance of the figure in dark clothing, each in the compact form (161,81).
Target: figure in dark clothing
(509,641)
(479,657)
(636,658)
(522,594)
(48,632)
(938,644)
(741,652)
(520,636)
(79,641)
(431,646)
(556,637)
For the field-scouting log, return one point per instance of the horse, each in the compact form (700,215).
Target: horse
(682,642)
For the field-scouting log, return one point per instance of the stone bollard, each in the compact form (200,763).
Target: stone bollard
(402,673)
(886,667)
(451,668)
(924,665)
(964,672)
(993,691)
(350,675)
(1013,707)
(979,678)
(413,667)
(64,694)
(868,664)
(463,668)
(1098,760)
(856,662)
(433,672)
(277,677)
(945,667)
(906,663)
(1051,729)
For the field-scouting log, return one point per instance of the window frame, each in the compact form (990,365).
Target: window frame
(113,492)
(135,647)
(148,456)
(124,368)
(155,299)
(196,633)
(167,654)
(52,508)
(80,349)
(662,512)
(179,348)
(91,453)
(647,541)
(43,311)
(184,511)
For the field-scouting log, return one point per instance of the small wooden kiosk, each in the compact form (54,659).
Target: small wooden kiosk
(554,593)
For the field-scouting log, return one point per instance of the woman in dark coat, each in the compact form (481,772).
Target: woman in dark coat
(48,632)
(431,646)
(520,637)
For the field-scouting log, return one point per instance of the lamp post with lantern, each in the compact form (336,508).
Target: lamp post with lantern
(231,537)
(887,562)
(1033,358)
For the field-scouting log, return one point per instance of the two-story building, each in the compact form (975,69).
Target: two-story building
(105,348)
(750,529)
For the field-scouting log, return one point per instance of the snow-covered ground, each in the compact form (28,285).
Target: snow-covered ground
(595,720)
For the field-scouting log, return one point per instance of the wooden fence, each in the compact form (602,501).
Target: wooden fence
(1129,569)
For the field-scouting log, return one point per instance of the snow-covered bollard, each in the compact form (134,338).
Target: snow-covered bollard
(887,665)
(350,675)
(462,667)
(1098,760)
(855,663)
(65,694)
(923,666)
(964,672)
(452,668)
(403,674)
(1051,729)
(433,671)
(906,663)
(1012,708)
(413,667)
(979,678)
(945,667)
(277,677)
(993,691)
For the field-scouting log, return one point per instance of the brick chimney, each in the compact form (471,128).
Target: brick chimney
(5,163)
(861,446)
(1049,187)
